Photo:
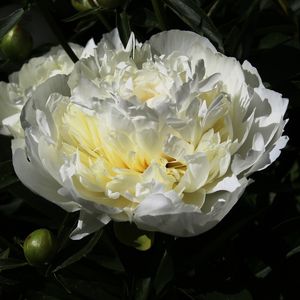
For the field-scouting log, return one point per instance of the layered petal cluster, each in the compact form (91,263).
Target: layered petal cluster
(15,93)
(164,134)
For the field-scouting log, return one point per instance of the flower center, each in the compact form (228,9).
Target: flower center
(112,160)
(82,134)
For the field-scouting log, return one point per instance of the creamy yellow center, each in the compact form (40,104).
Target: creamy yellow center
(83,134)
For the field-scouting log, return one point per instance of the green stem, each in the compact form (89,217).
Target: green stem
(104,21)
(159,13)
(44,7)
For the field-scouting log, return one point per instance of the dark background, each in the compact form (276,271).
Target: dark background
(254,253)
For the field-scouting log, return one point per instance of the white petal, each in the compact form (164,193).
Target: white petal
(252,77)
(110,41)
(185,42)
(89,49)
(229,184)
(196,174)
(166,213)
(36,178)
(87,224)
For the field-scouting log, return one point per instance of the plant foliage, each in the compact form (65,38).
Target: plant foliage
(252,254)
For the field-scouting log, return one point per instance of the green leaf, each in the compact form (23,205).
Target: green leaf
(4,244)
(142,288)
(10,263)
(4,254)
(7,176)
(145,18)
(11,207)
(210,31)
(84,25)
(244,295)
(294,6)
(67,226)
(272,40)
(106,255)
(284,5)
(88,247)
(186,11)
(165,273)
(8,281)
(196,18)
(43,206)
(45,8)
(293,251)
(159,11)
(110,263)
(8,22)
(264,272)
(123,26)
(296,83)
(82,14)
(38,295)
(90,289)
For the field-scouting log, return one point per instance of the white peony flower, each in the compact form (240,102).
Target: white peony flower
(14,95)
(164,134)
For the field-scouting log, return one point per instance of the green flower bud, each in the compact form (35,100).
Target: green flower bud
(16,44)
(39,246)
(129,235)
(109,4)
(82,5)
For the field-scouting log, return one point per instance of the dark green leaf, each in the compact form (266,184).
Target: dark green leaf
(196,18)
(186,11)
(7,23)
(142,288)
(294,6)
(82,14)
(272,40)
(45,8)
(4,244)
(159,11)
(284,5)
(106,255)
(10,263)
(264,272)
(88,247)
(90,290)
(84,25)
(165,273)
(296,83)
(210,31)
(294,251)
(4,254)
(7,176)
(39,295)
(7,281)
(45,207)
(65,229)
(11,207)
(244,295)
(123,27)
(145,18)
(111,263)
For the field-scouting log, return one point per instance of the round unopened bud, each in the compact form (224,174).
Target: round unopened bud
(82,5)
(109,4)
(129,235)
(39,246)
(16,44)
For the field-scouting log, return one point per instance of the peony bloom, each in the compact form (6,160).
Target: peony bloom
(14,95)
(164,134)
